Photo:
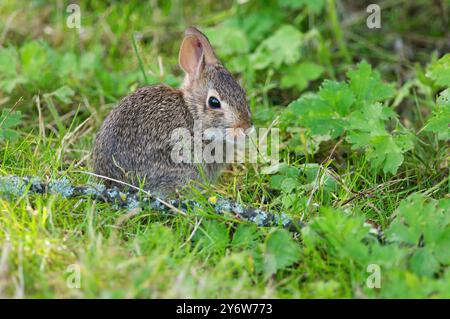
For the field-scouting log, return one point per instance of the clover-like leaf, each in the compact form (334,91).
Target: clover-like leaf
(367,86)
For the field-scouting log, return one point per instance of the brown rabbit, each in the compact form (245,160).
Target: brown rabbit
(134,143)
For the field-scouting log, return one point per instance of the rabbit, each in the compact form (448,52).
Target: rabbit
(134,142)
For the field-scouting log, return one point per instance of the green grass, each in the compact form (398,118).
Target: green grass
(64,83)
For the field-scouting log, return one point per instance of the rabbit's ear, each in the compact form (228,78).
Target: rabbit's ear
(195,51)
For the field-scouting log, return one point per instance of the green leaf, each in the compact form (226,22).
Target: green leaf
(286,179)
(424,263)
(439,71)
(213,236)
(417,217)
(275,168)
(371,119)
(8,120)
(63,94)
(315,6)
(367,132)
(386,154)
(289,184)
(317,115)
(424,225)
(388,256)
(245,236)
(324,114)
(281,250)
(339,234)
(353,109)
(442,240)
(38,65)
(300,75)
(9,77)
(440,120)
(283,47)
(8,63)
(257,24)
(229,40)
(338,95)
(293,201)
(367,85)
(276,181)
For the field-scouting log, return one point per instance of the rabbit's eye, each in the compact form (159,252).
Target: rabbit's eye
(213,102)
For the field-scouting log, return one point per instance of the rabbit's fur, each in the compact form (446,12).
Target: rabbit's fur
(134,143)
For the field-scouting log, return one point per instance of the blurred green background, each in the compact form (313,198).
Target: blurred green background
(277,48)
(372,148)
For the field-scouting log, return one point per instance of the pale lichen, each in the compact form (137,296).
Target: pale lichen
(13,186)
(61,186)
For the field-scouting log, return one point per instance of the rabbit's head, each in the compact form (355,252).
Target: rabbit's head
(211,93)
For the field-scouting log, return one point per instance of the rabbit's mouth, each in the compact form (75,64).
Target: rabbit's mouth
(230,135)
(238,135)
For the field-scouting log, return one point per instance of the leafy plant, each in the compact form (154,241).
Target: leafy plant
(212,237)
(278,252)
(9,78)
(8,120)
(439,71)
(439,122)
(354,110)
(300,75)
(417,245)
(293,182)
(425,227)
(281,47)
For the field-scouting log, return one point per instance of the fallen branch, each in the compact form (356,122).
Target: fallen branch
(15,186)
